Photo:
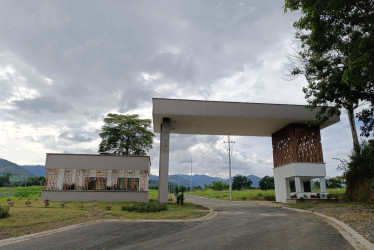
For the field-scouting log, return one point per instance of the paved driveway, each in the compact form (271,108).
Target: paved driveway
(238,225)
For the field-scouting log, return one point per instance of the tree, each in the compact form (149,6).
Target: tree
(5,180)
(359,174)
(241,182)
(336,56)
(316,185)
(334,182)
(219,185)
(35,181)
(266,183)
(126,135)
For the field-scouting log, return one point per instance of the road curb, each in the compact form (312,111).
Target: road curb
(9,241)
(44,233)
(355,239)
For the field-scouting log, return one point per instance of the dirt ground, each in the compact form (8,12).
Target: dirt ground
(360,218)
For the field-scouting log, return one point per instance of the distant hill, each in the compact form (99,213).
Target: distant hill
(183,180)
(14,169)
(200,180)
(255,179)
(37,170)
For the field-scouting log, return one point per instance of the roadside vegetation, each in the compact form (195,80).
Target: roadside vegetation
(251,194)
(242,195)
(35,216)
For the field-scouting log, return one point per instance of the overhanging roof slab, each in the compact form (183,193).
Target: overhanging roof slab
(229,118)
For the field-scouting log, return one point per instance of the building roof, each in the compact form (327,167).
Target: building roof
(229,118)
(96,161)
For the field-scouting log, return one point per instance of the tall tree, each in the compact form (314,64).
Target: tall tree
(126,135)
(241,182)
(266,183)
(335,53)
(5,180)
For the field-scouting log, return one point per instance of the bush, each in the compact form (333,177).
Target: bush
(28,192)
(359,174)
(269,197)
(4,212)
(145,207)
(219,186)
(179,194)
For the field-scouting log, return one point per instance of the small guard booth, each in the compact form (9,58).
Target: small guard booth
(297,149)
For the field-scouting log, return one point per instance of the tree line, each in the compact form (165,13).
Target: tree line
(5,181)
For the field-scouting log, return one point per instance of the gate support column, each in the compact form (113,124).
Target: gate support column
(164,161)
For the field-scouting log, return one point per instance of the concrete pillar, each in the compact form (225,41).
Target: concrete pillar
(297,184)
(164,161)
(322,182)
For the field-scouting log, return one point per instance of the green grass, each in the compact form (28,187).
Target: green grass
(248,195)
(336,191)
(26,220)
(32,192)
(243,195)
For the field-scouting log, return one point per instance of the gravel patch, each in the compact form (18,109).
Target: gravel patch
(361,219)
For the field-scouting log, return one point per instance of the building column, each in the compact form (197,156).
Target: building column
(322,184)
(297,184)
(164,161)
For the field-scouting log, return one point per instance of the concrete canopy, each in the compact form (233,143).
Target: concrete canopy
(229,118)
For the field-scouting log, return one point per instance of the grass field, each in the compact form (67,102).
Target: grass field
(32,192)
(249,195)
(36,218)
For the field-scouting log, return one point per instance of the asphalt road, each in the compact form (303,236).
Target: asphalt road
(238,225)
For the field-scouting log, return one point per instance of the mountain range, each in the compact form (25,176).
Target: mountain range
(201,180)
(183,180)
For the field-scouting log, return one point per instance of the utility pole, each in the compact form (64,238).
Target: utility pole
(229,147)
(191,179)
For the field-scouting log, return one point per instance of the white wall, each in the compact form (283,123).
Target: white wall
(314,170)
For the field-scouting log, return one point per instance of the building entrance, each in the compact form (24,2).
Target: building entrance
(297,149)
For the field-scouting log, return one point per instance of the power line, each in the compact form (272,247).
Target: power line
(211,149)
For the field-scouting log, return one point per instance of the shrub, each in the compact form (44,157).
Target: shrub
(28,192)
(145,207)
(4,212)
(179,194)
(359,174)
(270,197)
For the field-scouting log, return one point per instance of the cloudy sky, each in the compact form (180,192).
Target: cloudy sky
(65,64)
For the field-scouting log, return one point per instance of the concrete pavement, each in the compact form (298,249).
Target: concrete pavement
(238,225)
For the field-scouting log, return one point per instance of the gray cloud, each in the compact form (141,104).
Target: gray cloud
(40,104)
(178,67)
(80,136)
(76,61)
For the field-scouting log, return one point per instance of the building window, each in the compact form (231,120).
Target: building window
(101,183)
(129,184)
(91,183)
(292,186)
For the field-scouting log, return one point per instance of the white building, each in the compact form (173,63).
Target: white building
(104,177)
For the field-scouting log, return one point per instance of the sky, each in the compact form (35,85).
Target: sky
(64,65)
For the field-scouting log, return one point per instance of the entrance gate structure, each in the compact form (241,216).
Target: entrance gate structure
(297,149)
